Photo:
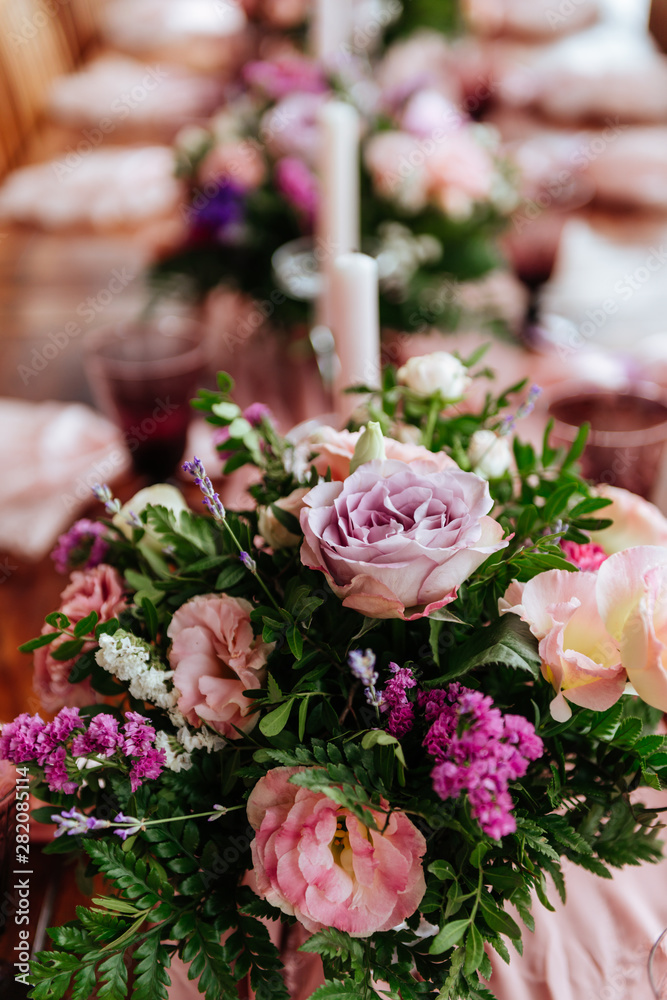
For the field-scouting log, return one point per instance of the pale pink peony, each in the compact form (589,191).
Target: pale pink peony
(237,161)
(429,113)
(636,521)
(632,597)
(580,659)
(314,860)
(215,658)
(396,540)
(334,450)
(99,589)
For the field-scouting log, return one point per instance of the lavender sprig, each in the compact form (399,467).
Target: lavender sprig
(211,500)
(74,823)
(362,666)
(508,423)
(102,493)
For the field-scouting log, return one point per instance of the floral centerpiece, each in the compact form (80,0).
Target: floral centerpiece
(435,188)
(381,706)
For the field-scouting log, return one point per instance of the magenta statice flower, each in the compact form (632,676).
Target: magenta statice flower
(150,766)
(55,773)
(256,413)
(478,751)
(56,733)
(295,180)
(19,739)
(588,556)
(138,735)
(102,737)
(396,702)
(82,547)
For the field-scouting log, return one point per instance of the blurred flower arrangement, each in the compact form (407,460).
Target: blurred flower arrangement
(381,705)
(435,190)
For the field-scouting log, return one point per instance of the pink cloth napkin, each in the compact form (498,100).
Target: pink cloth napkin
(51,454)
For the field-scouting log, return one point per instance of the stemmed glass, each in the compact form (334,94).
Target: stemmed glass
(143,376)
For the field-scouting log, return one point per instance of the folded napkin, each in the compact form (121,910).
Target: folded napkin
(51,454)
(102,189)
(157,96)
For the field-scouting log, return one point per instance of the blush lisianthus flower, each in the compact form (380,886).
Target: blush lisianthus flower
(317,862)
(580,658)
(215,658)
(397,540)
(632,597)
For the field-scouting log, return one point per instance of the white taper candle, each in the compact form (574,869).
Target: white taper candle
(337,230)
(331,30)
(355,326)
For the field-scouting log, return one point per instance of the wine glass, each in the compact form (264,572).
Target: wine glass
(143,376)
(628,431)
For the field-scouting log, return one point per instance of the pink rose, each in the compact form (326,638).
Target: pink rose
(239,162)
(636,521)
(427,111)
(99,589)
(396,540)
(317,862)
(280,77)
(580,659)
(291,127)
(215,658)
(632,597)
(334,450)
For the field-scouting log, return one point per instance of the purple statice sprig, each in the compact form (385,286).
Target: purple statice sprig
(82,547)
(478,751)
(362,666)
(396,702)
(70,745)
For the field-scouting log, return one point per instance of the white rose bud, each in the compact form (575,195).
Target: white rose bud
(272,531)
(438,372)
(158,495)
(490,455)
(369,447)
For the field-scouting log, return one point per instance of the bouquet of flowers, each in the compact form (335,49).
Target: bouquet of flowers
(435,189)
(378,707)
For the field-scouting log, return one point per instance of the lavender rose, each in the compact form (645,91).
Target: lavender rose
(397,540)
